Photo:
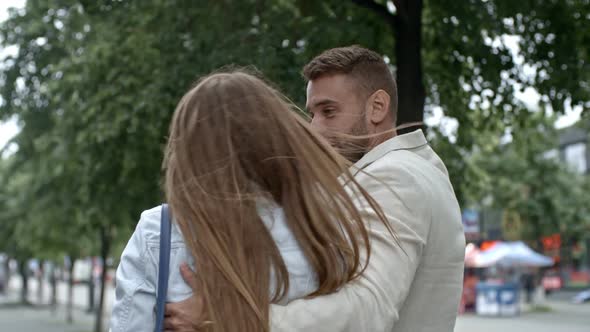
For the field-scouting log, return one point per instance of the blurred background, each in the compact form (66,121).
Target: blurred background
(87,89)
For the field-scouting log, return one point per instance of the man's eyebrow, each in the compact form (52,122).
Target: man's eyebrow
(322,102)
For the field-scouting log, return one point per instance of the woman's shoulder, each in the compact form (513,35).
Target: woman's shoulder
(149,226)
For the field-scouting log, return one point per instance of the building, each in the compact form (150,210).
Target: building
(574,149)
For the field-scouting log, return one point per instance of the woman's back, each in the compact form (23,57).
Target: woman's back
(234,140)
(137,275)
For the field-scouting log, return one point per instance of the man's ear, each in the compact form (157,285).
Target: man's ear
(378,106)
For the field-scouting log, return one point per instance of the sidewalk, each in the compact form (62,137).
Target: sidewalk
(562,317)
(79,297)
(39,317)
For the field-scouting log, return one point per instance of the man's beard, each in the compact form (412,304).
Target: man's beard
(354,144)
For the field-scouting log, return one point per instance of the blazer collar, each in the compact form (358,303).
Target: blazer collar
(408,141)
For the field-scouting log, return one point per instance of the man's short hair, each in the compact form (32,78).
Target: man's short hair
(366,67)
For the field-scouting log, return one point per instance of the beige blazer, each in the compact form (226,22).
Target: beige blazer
(413,286)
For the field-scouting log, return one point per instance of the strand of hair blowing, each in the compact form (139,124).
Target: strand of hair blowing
(234,141)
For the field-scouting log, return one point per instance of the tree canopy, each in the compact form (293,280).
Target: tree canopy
(93,85)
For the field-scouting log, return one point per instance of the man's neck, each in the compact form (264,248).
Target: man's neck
(385,136)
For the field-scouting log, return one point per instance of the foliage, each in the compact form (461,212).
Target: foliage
(528,182)
(94,83)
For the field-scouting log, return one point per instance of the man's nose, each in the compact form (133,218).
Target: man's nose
(317,122)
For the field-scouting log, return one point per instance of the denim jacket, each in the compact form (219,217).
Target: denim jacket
(137,274)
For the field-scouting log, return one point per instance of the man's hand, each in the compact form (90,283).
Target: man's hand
(187,315)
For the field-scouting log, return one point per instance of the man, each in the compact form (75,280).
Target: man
(412,282)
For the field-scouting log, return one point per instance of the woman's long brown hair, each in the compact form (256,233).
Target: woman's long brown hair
(234,140)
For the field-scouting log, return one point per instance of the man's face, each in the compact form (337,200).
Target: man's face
(334,103)
(336,107)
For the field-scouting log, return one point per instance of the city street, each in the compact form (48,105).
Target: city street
(447,141)
(30,319)
(14,317)
(562,317)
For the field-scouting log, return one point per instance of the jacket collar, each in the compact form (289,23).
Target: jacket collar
(408,141)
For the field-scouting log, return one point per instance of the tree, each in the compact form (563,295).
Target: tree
(36,222)
(539,194)
(462,43)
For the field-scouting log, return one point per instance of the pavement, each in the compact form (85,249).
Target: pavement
(40,317)
(563,316)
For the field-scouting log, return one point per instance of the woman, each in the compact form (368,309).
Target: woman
(259,209)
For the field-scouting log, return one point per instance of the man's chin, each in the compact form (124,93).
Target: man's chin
(352,156)
(350,147)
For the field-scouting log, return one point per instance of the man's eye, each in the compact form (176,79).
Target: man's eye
(328,112)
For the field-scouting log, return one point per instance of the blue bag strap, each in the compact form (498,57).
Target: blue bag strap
(164,267)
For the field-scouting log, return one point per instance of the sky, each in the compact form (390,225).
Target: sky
(10,128)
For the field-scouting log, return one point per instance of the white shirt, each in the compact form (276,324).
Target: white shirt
(137,274)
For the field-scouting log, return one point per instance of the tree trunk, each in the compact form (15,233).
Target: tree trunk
(105,246)
(406,24)
(23,270)
(40,283)
(53,282)
(91,285)
(70,300)
(6,268)
(407,30)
